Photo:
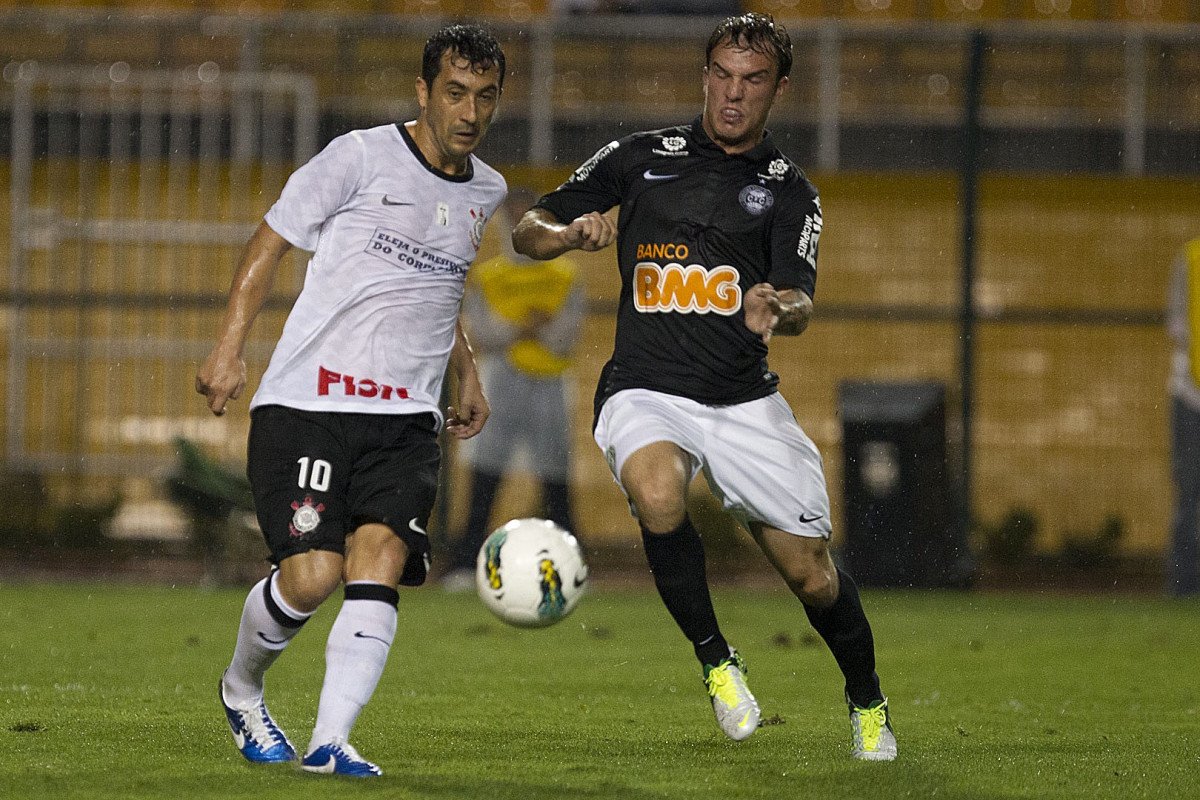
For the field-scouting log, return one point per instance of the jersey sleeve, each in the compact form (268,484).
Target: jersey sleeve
(595,186)
(794,238)
(316,191)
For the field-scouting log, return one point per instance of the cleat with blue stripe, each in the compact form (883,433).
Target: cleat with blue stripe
(339,758)
(256,735)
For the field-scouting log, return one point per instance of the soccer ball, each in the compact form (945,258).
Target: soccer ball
(530,573)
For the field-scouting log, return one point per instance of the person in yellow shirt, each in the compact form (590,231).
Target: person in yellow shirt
(524,318)
(1183,324)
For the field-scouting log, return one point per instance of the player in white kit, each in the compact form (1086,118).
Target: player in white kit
(343,454)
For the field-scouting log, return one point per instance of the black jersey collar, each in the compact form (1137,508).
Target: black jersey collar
(763,151)
(467,174)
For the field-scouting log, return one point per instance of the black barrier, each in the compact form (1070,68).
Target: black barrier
(899,501)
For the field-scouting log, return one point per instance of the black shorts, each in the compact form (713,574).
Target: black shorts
(318,476)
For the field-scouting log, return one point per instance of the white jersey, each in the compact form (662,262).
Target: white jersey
(392,238)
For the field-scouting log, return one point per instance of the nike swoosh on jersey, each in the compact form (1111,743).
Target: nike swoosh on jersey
(580,581)
(651,176)
(387,201)
(804,519)
(415,528)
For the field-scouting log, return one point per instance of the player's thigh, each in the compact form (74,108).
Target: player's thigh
(395,482)
(763,468)
(659,434)
(299,472)
(655,479)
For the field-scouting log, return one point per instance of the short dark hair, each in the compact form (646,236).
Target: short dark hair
(472,42)
(757,32)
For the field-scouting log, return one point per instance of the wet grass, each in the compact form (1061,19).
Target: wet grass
(109,692)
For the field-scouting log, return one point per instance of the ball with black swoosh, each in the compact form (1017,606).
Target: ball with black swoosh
(531,573)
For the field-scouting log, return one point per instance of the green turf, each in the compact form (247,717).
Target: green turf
(109,691)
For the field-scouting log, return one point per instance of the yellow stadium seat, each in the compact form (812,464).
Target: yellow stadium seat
(969,10)
(783,9)
(1154,11)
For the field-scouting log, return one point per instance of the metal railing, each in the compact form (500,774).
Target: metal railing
(1129,92)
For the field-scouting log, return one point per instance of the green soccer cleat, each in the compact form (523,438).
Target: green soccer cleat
(871,734)
(735,707)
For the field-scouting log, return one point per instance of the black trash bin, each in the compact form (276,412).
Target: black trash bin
(899,505)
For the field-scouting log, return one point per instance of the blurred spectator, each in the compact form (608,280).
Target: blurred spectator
(1183,323)
(665,7)
(524,318)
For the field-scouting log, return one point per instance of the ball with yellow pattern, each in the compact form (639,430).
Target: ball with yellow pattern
(531,573)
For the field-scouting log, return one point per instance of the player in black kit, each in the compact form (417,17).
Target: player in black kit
(717,251)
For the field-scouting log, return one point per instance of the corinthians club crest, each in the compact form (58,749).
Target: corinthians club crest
(478,223)
(306,516)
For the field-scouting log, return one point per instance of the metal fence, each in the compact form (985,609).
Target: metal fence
(1099,97)
(129,194)
(137,171)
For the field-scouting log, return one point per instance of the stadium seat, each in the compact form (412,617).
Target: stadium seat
(1155,11)
(969,10)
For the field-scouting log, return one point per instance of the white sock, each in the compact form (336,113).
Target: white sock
(261,638)
(355,655)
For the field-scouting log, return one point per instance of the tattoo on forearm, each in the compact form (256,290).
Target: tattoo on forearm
(793,319)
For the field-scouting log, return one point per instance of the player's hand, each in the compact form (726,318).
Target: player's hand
(591,232)
(762,307)
(472,412)
(221,378)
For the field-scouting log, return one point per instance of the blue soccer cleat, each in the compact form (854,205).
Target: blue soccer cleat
(339,758)
(256,735)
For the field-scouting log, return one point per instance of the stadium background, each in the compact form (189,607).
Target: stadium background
(147,138)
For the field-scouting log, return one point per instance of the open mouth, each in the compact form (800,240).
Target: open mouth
(731,116)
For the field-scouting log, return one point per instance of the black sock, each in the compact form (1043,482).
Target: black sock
(677,563)
(845,629)
(558,503)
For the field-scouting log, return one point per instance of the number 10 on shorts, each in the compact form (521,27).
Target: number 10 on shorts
(318,478)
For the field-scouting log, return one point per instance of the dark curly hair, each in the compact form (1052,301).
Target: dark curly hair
(757,32)
(472,42)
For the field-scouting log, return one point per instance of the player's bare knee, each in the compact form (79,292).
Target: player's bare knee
(814,586)
(305,590)
(375,553)
(660,513)
(659,505)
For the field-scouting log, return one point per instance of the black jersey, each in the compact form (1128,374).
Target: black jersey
(697,228)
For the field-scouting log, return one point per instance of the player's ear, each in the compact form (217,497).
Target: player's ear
(422,92)
(780,86)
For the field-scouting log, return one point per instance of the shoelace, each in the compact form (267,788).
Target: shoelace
(870,725)
(261,733)
(347,749)
(721,685)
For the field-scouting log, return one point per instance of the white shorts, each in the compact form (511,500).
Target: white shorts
(758,462)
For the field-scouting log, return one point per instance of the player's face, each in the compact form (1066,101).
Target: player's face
(456,111)
(739,89)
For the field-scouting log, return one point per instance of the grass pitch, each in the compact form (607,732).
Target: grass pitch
(110,692)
